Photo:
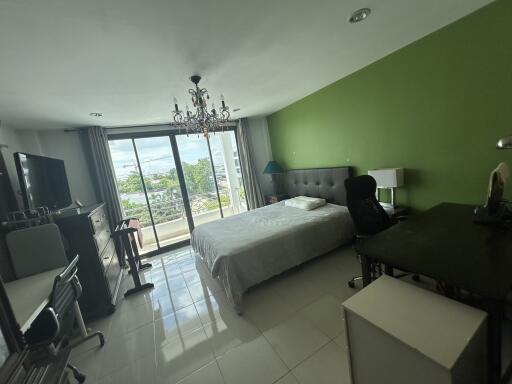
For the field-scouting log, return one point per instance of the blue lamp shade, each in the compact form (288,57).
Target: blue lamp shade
(272,168)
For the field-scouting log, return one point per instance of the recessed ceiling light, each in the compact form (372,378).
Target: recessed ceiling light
(360,15)
(96,114)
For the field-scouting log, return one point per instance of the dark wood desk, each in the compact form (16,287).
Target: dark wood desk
(443,243)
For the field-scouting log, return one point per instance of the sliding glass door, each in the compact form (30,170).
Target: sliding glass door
(132,193)
(199,178)
(228,173)
(162,184)
(175,182)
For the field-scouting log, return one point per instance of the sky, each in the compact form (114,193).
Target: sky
(155,153)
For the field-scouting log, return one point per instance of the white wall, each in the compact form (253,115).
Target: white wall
(58,144)
(16,142)
(262,151)
(67,146)
(30,142)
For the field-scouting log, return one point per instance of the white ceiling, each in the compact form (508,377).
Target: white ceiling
(62,59)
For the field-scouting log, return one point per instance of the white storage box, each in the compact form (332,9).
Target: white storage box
(400,333)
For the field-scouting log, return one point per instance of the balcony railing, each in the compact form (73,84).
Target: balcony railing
(166,209)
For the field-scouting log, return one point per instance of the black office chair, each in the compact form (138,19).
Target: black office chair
(47,337)
(368,215)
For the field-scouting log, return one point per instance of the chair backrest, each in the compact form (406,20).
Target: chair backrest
(36,249)
(367,213)
(66,289)
(57,318)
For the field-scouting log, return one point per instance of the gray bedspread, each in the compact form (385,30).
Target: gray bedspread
(245,249)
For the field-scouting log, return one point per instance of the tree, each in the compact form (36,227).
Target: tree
(198,177)
(138,210)
(131,183)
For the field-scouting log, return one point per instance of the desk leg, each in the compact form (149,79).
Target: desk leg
(83,330)
(366,265)
(494,333)
(80,320)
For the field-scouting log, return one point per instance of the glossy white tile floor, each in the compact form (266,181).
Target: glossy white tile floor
(184,331)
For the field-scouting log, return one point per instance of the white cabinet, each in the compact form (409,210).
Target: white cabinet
(400,333)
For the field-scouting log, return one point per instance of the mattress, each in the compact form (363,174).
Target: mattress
(246,249)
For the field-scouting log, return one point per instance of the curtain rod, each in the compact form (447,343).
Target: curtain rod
(171,126)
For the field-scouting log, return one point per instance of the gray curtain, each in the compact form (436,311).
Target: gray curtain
(102,171)
(253,192)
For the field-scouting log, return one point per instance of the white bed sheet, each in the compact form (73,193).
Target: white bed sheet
(245,249)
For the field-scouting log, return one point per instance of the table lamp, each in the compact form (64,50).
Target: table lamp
(389,178)
(273,169)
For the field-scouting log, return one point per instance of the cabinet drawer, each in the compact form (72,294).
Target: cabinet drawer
(108,253)
(101,239)
(112,275)
(99,220)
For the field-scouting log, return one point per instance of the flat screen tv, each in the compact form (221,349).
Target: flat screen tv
(43,181)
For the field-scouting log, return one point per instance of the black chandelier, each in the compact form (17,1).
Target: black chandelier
(200,120)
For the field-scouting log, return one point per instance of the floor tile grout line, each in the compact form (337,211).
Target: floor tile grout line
(124,366)
(277,354)
(288,372)
(307,357)
(220,370)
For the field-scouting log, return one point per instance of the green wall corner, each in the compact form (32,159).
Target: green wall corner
(435,107)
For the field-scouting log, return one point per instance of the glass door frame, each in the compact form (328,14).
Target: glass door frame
(171,134)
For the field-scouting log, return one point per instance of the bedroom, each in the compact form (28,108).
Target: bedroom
(420,86)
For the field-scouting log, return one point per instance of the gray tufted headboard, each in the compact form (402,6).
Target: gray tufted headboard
(327,183)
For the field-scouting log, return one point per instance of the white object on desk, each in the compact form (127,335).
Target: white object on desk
(28,297)
(400,333)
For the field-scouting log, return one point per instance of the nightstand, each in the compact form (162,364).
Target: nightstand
(272,199)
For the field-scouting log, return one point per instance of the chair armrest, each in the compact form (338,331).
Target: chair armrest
(44,329)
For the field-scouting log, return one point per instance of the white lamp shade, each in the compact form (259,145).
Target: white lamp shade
(388,178)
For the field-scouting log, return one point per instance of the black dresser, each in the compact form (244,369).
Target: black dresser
(87,234)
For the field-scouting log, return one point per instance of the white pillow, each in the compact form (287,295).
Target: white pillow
(312,199)
(305,203)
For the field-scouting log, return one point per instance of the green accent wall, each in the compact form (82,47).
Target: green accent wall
(435,107)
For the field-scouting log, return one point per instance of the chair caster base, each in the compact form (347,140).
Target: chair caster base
(79,376)
(352,282)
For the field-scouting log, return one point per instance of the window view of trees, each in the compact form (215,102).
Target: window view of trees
(159,181)
(164,193)
(162,196)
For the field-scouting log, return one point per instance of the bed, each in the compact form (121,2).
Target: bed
(248,248)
